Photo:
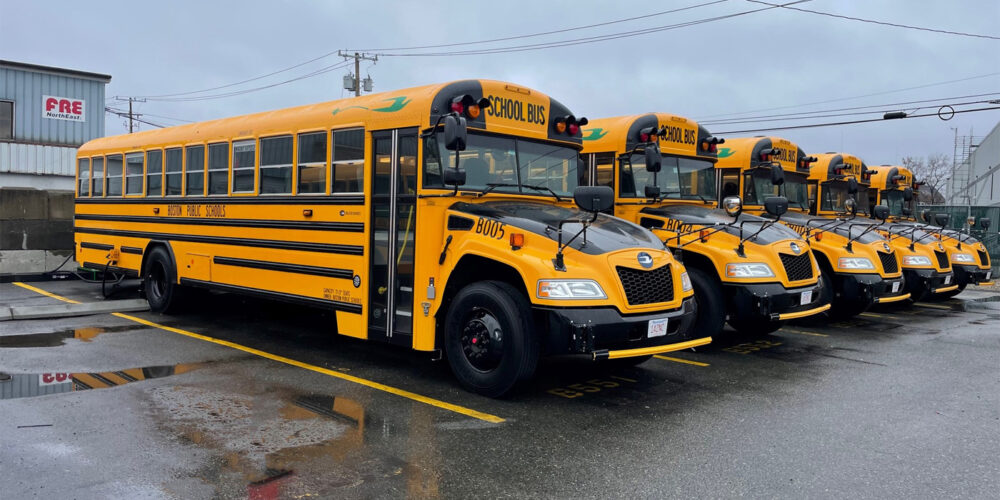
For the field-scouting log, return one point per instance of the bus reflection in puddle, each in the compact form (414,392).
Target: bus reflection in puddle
(26,385)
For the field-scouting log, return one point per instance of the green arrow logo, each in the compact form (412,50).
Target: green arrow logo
(726,152)
(398,103)
(594,134)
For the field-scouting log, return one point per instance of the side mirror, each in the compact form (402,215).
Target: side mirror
(970,220)
(907,212)
(852,185)
(594,198)
(880,212)
(776,205)
(733,205)
(455,133)
(851,205)
(652,191)
(654,162)
(907,194)
(925,214)
(942,219)
(984,222)
(777,175)
(453,176)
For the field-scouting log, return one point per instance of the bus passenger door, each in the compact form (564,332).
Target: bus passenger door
(393,226)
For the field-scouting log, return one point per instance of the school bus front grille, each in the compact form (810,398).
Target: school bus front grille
(797,267)
(942,259)
(984,257)
(889,264)
(647,287)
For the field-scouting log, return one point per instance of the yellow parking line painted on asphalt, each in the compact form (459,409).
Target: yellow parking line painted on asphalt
(803,332)
(679,360)
(880,316)
(932,306)
(43,292)
(288,361)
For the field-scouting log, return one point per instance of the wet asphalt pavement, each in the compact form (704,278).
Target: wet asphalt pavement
(898,402)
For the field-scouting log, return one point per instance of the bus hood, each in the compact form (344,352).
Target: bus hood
(606,234)
(690,214)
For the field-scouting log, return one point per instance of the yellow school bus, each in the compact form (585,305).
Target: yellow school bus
(745,269)
(895,187)
(440,218)
(857,264)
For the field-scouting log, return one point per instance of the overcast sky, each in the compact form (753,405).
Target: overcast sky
(757,62)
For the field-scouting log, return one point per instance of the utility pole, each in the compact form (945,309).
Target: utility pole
(131,115)
(358,56)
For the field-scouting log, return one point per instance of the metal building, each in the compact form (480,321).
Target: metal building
(976,179)
(45,114)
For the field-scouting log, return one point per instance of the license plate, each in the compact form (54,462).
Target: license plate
(657,328)
(806,298)
(895,287)
(947,280)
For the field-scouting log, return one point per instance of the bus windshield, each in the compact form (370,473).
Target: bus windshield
(894,200)
(679,178)
(757,186)
(491,159)
(834,194)
(796,190)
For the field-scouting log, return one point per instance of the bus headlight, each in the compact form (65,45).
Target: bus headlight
(752,270)
(569,289)
(855,263)
(685,282)
(916,260)
(965,258)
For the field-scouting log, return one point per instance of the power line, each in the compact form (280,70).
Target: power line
(831,124)
(883,23)
(320,71)
(126,114)
(810,114)
(582,40)
(170,118)
(839,99)
(532,35)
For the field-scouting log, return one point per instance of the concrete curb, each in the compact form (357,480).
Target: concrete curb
(69,310)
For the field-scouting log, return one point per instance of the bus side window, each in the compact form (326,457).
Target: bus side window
(312,163)
(276,165)
(583,170)
(218,168)
(114,175)
(175,172)
(626,188)
(83,174)
(243,165)
(97,178)
(604,168)
(154,172)
(348,161)
(134,174)
(730,184)
(195,171)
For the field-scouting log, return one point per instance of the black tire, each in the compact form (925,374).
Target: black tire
(159,282)
(710,315)
(478,313)
(756,327)
(826,292)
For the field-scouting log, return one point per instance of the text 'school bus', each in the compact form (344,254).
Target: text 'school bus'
(385,208)
(895,187)
(743,267)
(858,266)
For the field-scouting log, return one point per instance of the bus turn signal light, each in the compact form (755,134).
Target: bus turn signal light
(703,234)
(516,240)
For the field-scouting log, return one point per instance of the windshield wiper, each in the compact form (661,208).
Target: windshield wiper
(493,185)
(702,198)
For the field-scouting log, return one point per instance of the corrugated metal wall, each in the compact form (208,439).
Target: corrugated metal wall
(26,89)
(27,385)
(35,159)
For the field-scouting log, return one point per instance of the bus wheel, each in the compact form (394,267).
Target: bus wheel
(711,313)
(490,338)
(756,327)
(159,281)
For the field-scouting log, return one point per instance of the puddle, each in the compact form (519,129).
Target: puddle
(54,339)
(26,385)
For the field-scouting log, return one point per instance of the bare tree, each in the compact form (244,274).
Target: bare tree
(934,171)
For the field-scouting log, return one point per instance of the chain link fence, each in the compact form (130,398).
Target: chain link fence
(989,237)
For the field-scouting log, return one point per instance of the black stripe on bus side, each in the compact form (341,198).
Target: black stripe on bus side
(237,200)
(267,294)
(285,268)
(244,242)
(135,250)
(111,269)
(349,227)
(96,246)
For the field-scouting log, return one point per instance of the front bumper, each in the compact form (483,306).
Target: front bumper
(971,274)
(602,331)
(870,289)
(772,301)
(919,281)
